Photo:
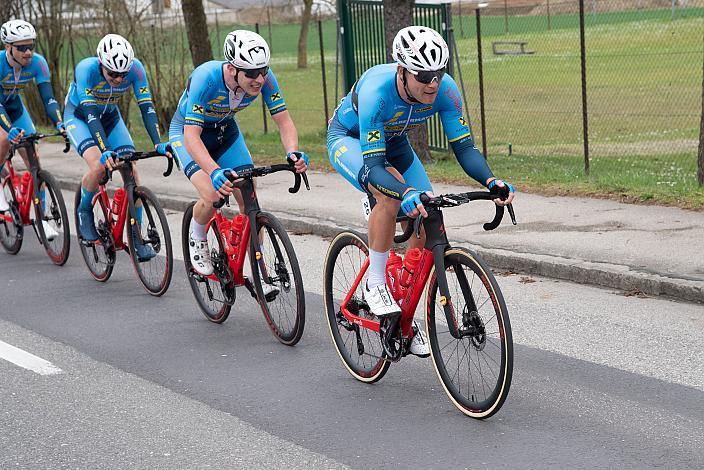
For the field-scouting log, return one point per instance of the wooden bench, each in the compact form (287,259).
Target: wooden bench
(511,50)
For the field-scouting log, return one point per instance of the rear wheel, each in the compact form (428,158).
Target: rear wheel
(11,230)
(475,364)
(99,255)
(359,348)
(52,211)
(153,232)
(214,294)
(284,305)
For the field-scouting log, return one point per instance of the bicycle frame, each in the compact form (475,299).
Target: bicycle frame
(29,193)
(117,227)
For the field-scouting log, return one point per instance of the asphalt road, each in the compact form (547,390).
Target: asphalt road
(600,380)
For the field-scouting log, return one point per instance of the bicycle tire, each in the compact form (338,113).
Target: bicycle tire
(154,274)
(480,308)
(98,256)
(54,212)
(11,234)
(351,249)
(288,329)
(220,309)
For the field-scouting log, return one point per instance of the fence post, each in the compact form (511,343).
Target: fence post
(322,67)
(549,25)
(481,80)
(256,29)
(585,124)
(506,16)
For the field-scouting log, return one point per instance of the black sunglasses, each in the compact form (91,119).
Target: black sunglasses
(25,47)
(112,74)
(254,73)
(426,76)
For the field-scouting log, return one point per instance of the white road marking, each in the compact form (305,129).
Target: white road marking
(26,360)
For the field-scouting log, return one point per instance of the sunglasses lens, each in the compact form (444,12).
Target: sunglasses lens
(25,48)
(427,77)
(254,73)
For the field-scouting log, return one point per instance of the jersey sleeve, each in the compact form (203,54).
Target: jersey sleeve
(41,70)
(144,100)
(272,95)
(140,85)
(450,111)
(197,91)
(84,88)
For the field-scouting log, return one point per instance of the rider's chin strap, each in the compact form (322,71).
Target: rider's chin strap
(405,88)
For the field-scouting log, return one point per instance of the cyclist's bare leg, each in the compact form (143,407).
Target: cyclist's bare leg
(96,171)
(203,210)
(4,146)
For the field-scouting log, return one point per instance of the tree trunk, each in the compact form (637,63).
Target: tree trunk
(397,15)
(197,30)
(303,37)
(700,159)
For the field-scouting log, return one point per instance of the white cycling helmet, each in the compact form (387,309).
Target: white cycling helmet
(115,53)
(246,50)
(17,30)
(420,48)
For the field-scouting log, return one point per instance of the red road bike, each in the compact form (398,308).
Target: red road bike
(465,314)
(274,263)
(24,190)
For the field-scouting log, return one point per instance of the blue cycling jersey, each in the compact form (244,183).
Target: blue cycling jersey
(93,97)
(375,113)
(207,102)
(15,80)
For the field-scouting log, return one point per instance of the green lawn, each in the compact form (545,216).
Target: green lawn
(644,98)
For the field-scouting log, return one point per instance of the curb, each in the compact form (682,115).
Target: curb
(608,275)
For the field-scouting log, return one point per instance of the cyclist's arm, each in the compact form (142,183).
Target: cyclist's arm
(43,80)
(144,100)
(196,148)
(373,143)
(88,105)
(5,121)
(287,130)
(468,156)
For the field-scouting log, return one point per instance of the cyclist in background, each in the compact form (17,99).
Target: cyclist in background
(205,136)
(95,125)
(368,145)
(19,66)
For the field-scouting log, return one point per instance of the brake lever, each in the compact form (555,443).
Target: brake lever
(170,166)
(512,214)
(68,144)
(305,180)
(417,224)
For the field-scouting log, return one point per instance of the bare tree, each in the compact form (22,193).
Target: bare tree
(303,37)
(197,30)
(397,15)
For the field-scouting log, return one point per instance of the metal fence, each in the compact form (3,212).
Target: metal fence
(643,64)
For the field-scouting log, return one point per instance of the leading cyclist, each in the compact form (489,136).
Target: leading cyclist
(19,66)
(368,145)
(206,139)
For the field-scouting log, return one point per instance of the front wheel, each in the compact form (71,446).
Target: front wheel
(51,213)
(149,228)
(99,255)
(474,357)
(279,283)
(359,348)
(11,229)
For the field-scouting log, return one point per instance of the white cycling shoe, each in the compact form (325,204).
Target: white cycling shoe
(4,206)
(200,256)
(380,301)
(49,231)
(419,344)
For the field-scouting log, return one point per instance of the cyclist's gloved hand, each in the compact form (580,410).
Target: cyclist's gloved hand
(163,148)
(219,179)
(14,134)
(108,158)
(60,127)
(410,202)
(300,160)
(503,189)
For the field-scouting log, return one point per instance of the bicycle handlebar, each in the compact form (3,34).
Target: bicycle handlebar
(27,140)
(134,156)
(249,173)
(454,200)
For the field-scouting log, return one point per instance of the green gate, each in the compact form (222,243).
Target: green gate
(362,38)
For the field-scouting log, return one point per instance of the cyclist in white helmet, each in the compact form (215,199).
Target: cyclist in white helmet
(95,125)
(19,66)
(205,136)
(368,145)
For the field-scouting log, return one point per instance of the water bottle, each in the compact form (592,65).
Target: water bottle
(410,264)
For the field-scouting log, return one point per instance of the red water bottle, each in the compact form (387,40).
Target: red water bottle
(24,185)
(410,264)
(393,265)
(118,200)
(237,228)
